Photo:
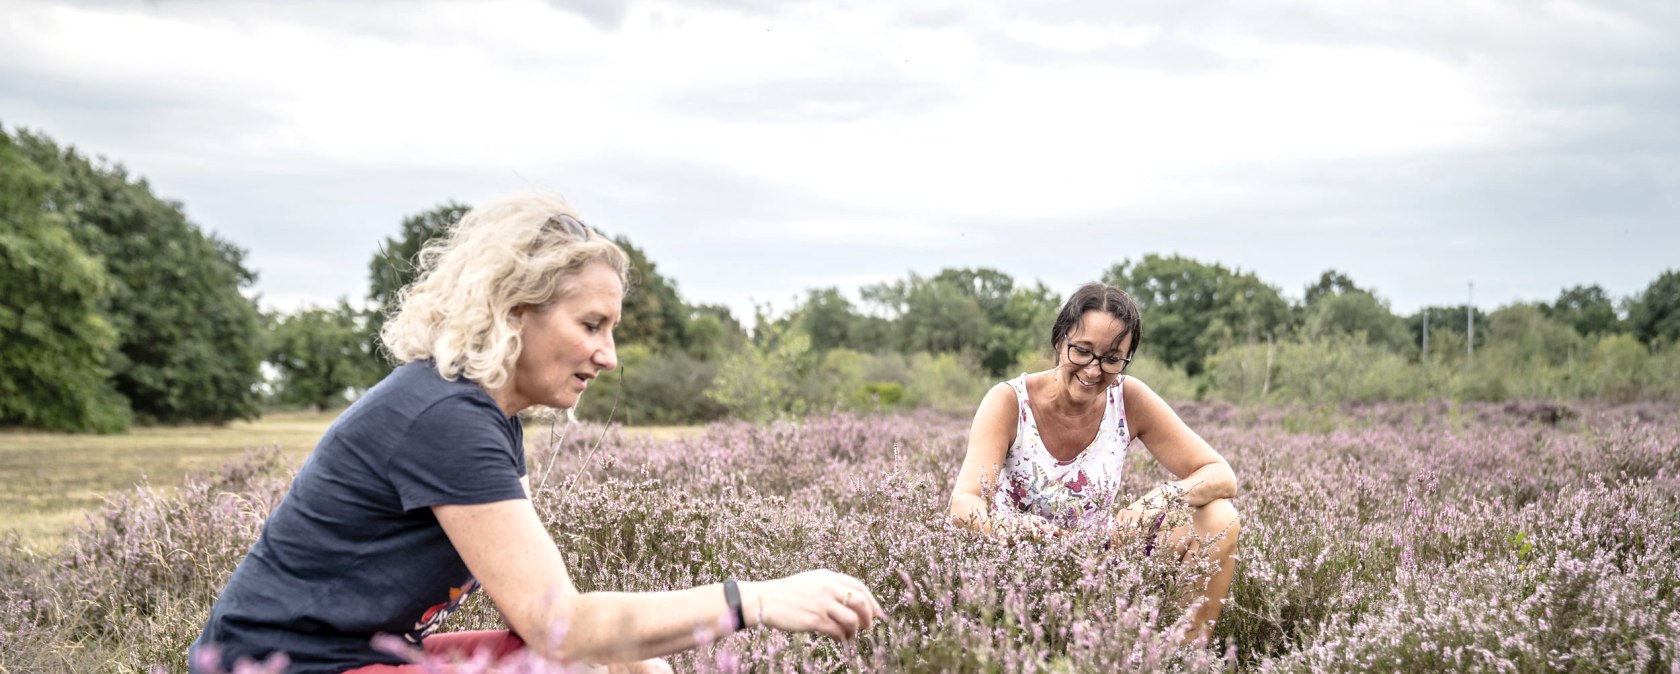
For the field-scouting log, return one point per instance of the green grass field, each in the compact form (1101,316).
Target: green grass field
(48,481)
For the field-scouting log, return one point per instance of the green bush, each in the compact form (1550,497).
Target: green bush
(1170,382)
(653,388)
(1330,369)
(946,383)
(1664,372)
(1618,368)
(839,382)
(1241,373)
(760,382)
(885,394)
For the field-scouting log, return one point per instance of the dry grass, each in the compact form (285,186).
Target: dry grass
(49,480)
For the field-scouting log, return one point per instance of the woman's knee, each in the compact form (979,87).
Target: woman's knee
(1219,516)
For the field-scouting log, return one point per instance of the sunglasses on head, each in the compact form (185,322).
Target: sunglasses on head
(570,225)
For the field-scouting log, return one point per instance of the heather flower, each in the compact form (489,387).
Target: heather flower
(1426,537)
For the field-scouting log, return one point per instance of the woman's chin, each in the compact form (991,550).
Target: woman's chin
(563,400)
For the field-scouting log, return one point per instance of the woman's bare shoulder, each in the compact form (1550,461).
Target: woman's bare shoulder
(1000,397)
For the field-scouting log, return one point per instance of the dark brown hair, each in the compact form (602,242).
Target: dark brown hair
(1098,297)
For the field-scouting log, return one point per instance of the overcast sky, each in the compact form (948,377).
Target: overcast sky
(757,148)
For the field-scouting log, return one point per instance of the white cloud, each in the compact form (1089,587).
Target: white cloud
(939,127)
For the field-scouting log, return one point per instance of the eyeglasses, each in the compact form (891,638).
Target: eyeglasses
(1082,357)
(570,225)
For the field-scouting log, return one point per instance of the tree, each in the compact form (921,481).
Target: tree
(1331,282)
(829,318)
(1020,328)
(979,312)
(1531,338)
(396,265)
(1358,314)
(1190,308)
(654,314)
(1587,309)
(759,381)
(322,354)
(833,322)
(990,288)
(1654,315)
(190,342)
(931,314)
(52,369)
(1334,305)
(713,332)
(1017,318)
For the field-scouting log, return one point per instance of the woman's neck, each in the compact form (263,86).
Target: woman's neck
(1056,401)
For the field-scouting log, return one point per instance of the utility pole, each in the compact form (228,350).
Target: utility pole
(1470,320)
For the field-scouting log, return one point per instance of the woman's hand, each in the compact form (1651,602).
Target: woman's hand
(1132,516)
(1158,510)
(1165,496)
(1017,526)
(823,601)
(1133,524)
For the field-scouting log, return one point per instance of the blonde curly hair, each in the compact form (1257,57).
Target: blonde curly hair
(514,251)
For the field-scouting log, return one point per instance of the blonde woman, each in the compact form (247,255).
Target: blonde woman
(1046,450)
(417,495)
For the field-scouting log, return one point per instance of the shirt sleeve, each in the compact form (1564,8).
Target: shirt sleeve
(459,451)
(519,435)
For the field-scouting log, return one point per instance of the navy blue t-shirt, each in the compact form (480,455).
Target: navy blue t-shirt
(353,550)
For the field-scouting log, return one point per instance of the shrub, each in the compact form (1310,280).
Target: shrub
(761,382)
(945,383)
(1170,382)
(134,585)
(1328,370)
(1616,371)
(1428,537)
(651,387)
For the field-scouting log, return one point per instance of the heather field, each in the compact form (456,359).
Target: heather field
(1511,537)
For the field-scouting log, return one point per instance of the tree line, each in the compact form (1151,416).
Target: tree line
(938,341)
(115,309)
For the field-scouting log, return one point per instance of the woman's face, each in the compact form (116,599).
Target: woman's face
(568,341)
(1095,332)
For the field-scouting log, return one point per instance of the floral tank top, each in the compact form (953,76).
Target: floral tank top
(1073,492)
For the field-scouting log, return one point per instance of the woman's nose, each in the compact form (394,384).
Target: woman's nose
(607,357)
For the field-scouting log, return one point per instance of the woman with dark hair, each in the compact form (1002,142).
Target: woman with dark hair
(1046,450)
(418,495)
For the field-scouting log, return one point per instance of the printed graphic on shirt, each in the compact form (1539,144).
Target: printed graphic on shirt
(1064,502)
(433,617)
(1072,492)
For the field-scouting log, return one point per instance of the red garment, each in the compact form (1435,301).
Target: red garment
(455,645)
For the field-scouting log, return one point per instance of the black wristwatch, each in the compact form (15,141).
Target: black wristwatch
(732,594)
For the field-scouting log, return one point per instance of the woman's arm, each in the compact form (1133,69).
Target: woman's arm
(1201,471)
(988,441)
(507,549)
